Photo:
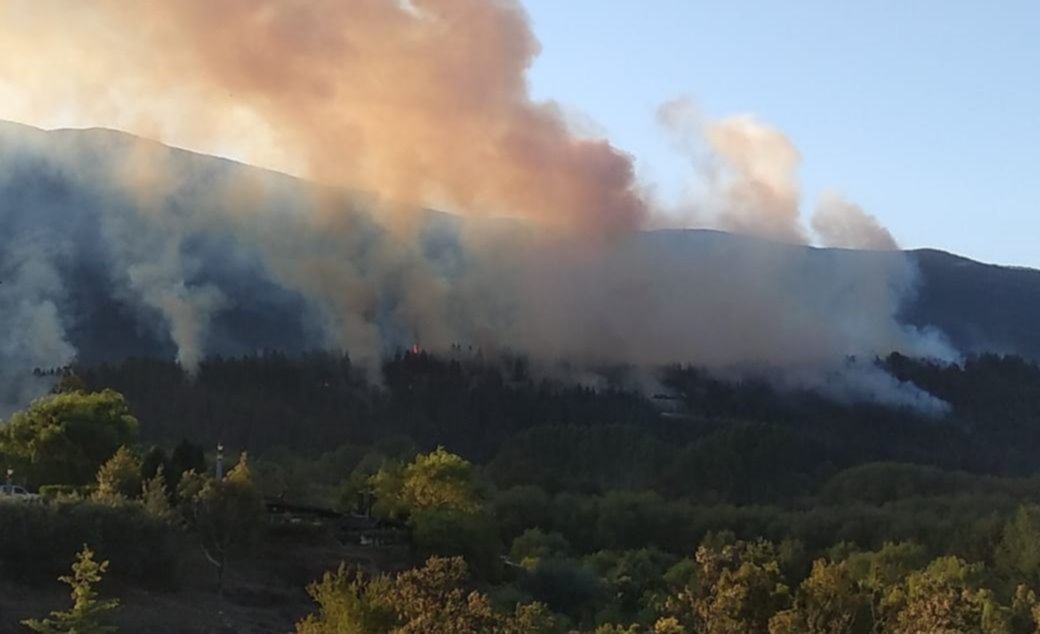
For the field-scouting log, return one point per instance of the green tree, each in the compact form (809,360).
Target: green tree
(882,573)
(520,508)
(89,614)
(120,476)
(437,493)
(349,605)
(635,578)
(944,599)
(449,533)
(664,625)
(1024,611)
(737,589)
(65,438)
(156,498)
(226,513)
(567,587)
(1018,554)
(433,599)
(535,544)
(829,601)
(437,480)
(153,461)
(612,628)
(189,486)
(356,493)
(386,486)
(186,456)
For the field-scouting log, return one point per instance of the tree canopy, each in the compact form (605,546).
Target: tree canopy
(64,438)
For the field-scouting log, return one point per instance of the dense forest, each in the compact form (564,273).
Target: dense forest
(501,412)
(512,500)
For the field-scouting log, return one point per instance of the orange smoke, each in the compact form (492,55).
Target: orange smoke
(422,102)
(844,224)
(751,171)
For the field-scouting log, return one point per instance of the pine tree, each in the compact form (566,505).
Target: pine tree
(156,498)
(120,476)
(227,513)
(89,615)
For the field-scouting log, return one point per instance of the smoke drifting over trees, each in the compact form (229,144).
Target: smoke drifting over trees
(420,102)
(396,108)
(223,237)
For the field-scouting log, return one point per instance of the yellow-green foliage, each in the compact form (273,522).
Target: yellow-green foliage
(120,476)
(89,614)
(433,599)
(438,480)
(65,438)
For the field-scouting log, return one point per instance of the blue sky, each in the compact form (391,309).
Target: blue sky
(926,113)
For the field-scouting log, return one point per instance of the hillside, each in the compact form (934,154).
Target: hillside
(573,490)
(106,237)
(980,307)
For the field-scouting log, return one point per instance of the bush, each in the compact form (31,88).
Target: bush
(456,533)
(567,587)
(536,544)
(521,508)
(58,491)
(40,539)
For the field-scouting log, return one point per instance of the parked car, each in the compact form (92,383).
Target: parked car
(13,491)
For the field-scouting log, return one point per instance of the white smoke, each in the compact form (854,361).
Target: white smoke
(645,298)
(844,224)
(32,328)
(418,103)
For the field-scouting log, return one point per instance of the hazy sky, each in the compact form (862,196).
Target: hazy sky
(926,112)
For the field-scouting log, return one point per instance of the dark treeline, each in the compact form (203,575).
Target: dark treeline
(712,439)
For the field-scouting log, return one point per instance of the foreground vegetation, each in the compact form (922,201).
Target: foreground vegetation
(533,506)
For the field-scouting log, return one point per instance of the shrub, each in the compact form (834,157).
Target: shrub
(40,539)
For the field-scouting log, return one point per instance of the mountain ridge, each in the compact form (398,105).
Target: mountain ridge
(52,191)
(113,133)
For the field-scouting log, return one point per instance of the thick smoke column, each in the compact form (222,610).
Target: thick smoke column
(757,179)
(393,106)
(146,242)
(720,301)
(422,102)
(725,302)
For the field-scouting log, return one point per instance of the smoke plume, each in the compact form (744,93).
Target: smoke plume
(32,331)
(389,108)
(756,178)
(843,224)
(423,101)
(749,171)
(749,174)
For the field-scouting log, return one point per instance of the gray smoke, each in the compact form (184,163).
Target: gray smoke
(32,330)
(185,241)
(422,103)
